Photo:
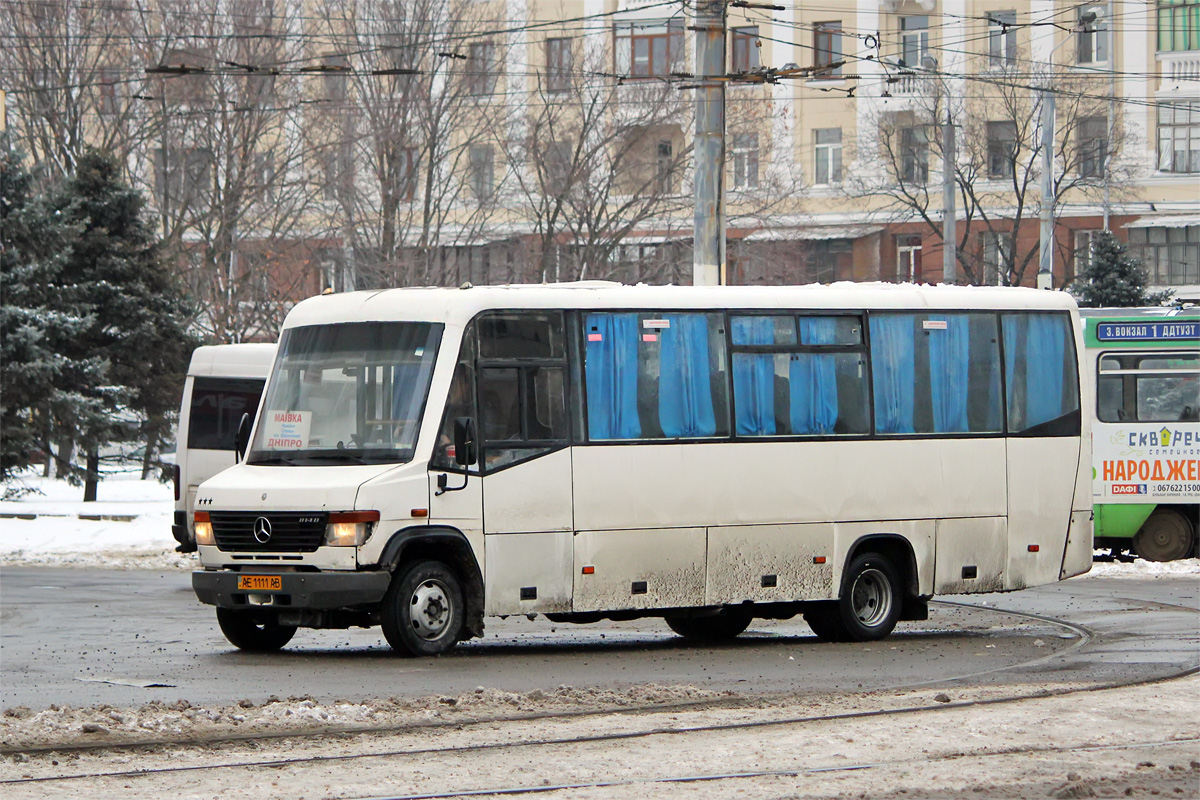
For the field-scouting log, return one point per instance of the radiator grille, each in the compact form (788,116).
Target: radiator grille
(290,531)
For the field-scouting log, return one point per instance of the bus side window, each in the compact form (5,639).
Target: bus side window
(522,386)
(1041,382)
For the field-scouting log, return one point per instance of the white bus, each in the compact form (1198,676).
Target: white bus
(425,458)
(223,382)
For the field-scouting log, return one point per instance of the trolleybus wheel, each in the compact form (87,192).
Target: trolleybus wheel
(422,612)
(869,605)
(1166,535)
(725,624)
(256,631)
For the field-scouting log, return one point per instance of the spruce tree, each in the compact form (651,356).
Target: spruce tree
(1113,278)
(40,381)
(138,313)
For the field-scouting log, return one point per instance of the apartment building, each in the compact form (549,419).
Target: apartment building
(292,147)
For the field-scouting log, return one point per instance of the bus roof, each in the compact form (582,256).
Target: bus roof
(435,304)
(233,360)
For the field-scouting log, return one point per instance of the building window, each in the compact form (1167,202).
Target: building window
(110,77)
(1179,136)
(187,81)
(559,63)
(482,68)
(830,260)
(335,77)
(745,161)
(1171,256)
(1002,149)
(482,171)
(914,40)
(914,154)
(997,250)
(1178,25)
(827,47)
(649,49)
(1093,146)
(1002,39)
(908,258)
(827,147)
(339,171)
(1092,38)
(744,57)
(403,174)
(181,175)
(1085,248)
(664,166)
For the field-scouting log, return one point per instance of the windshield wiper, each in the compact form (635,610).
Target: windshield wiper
(271,461)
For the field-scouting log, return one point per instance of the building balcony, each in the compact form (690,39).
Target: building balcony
(1179,71)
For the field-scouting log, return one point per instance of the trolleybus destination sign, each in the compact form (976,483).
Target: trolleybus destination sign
(1167,331)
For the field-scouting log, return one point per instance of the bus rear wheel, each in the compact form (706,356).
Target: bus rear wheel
(255,631)
(726,624)
(1166,535)
(868,608)
(423,610)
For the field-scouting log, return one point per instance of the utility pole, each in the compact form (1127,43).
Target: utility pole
(708,247)
(1045,277)
(949,235)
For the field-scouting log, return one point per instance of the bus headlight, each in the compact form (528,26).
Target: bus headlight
(349,528)
(202,525)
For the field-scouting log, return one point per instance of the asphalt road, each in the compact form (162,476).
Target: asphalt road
(87,637)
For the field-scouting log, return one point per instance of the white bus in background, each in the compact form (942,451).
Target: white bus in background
(223,383)
(425,458)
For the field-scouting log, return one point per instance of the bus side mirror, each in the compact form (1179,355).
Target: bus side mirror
(242,440)
(466,443)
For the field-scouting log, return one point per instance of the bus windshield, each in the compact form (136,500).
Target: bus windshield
(346,394)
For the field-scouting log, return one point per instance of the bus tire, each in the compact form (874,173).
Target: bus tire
(871,599)
(718,627)
(825,619)
(254,631)
(423,611)
(1166,535)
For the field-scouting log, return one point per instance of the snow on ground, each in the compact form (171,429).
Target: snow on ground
(129,526)
(131,529)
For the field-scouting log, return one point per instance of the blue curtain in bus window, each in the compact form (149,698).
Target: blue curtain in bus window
(949,365)
(813,379)
(1045,343)
(611,369)
(893,367)
(685,406)
(754,377)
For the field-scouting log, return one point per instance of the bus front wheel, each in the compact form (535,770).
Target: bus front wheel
(868,608)
(254,631)
(422,612)
(1166,535)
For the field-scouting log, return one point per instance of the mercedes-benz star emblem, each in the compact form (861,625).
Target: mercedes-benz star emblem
(262,530)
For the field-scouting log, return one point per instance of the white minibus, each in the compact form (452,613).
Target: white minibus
(425,458)
(223,382)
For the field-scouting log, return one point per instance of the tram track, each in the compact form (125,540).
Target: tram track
(1082,634)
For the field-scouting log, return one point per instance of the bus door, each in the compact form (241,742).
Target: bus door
(521,376)
(1044,426)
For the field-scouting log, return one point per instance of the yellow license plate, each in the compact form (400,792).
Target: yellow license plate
(260,583)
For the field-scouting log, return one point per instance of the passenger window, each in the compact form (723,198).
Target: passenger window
(655,376)
(522,386)
(935,373)
(783,388)
(1041,381)
(217,408)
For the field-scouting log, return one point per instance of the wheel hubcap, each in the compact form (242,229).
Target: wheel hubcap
(430,610)
(871,598)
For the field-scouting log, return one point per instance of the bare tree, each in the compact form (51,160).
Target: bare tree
(227,168)
(73,74)
(997,172)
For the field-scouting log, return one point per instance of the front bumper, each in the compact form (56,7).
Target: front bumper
(301,590)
